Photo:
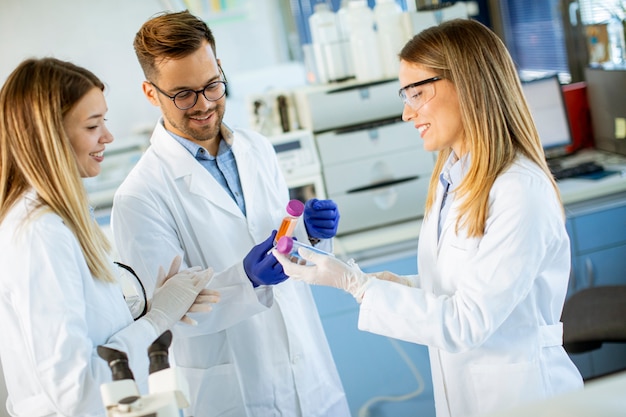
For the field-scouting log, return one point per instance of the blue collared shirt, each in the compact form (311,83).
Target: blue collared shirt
(222,167)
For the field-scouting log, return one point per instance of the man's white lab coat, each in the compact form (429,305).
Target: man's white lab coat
(258,351)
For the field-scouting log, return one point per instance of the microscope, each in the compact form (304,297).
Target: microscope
(168,389)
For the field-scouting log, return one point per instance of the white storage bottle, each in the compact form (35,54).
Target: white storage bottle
(615,29)
(364,49)
(327,49)
(391,35)
(344,37)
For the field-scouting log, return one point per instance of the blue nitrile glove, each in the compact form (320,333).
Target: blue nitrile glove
(321,218)
(261,266)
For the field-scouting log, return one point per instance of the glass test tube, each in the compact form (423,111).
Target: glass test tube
(289,247)
(295,208)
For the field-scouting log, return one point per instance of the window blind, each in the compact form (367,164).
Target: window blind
(534,35)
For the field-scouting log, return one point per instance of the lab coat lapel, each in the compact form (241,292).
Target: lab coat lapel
(450,221)
(429,249)
(448,225)
(191,177)
(247,165)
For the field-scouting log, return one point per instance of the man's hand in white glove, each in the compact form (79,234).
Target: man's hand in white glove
(327,270)
(205,297)
(178,293)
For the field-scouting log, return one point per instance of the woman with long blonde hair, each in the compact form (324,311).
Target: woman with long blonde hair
(493,255)
(60,298)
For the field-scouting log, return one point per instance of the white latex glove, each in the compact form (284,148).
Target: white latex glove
(205,297)
(176,295)
(327,270)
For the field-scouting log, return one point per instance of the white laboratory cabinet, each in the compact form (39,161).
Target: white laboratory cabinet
(373,164)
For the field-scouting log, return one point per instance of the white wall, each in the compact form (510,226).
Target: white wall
(99,34)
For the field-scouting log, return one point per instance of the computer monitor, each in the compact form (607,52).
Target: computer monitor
(547,105)
(607,106)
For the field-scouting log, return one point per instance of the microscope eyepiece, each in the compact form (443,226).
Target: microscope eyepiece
(158,352)
(118,362)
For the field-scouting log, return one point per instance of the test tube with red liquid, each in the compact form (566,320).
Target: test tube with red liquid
(295,208)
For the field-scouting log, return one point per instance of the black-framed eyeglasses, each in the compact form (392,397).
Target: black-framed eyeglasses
(417,94)
(186,99)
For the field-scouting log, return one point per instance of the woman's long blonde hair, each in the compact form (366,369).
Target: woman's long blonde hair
(496,119)
(35,152)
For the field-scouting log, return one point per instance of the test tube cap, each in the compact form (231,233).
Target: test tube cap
(284,245)
(295,208)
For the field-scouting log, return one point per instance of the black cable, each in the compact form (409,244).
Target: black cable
(143,290)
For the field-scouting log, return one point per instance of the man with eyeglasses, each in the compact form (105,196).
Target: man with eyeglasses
(215,196)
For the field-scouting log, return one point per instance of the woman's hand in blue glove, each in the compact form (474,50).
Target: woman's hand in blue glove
(321,218)
(261,266)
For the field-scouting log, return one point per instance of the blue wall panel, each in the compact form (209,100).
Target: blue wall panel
(370,365)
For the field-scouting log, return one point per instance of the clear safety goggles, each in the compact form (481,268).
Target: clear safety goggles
(417,94)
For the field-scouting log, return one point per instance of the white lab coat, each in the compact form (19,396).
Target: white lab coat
(259,352)
(488,308)
(54,315)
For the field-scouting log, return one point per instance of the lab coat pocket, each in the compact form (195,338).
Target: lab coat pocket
(458,249)
(215,392)
(462,244)
(455,260)
(502,386)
